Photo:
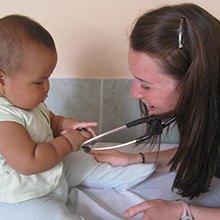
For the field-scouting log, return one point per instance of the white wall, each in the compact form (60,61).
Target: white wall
(91,35)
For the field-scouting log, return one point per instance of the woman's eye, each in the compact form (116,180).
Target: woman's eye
(145,87)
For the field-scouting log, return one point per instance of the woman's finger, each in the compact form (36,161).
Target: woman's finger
(131,212)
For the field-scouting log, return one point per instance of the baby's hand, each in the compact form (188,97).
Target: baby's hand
(76,138)
(79,125)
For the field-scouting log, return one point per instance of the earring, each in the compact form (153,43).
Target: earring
(3,92)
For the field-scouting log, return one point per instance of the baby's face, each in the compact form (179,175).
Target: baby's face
(29,87)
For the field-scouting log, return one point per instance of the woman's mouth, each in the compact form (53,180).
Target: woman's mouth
(150,107)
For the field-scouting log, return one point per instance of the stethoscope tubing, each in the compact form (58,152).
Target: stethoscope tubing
(102,135)
(133,123)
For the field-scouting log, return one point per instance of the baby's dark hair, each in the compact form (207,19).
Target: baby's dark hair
(16,31)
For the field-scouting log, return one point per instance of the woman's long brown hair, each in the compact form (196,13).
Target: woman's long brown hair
(197,68)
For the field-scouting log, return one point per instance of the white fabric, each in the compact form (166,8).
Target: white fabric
(82,168)
(105,176)
(109,204)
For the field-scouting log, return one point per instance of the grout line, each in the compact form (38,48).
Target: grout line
(101,106)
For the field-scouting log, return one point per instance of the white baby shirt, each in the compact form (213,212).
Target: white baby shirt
(15,187)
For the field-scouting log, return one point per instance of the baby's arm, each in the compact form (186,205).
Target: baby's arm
(27,157)
(62,125)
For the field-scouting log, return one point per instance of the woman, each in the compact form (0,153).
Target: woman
(174,56)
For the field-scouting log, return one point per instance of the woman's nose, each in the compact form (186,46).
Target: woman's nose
(135,91)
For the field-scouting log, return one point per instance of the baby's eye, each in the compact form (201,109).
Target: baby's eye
(39,83)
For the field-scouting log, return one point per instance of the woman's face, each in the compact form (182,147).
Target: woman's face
(154,88)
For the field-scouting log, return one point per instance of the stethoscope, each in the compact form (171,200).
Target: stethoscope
(156,128)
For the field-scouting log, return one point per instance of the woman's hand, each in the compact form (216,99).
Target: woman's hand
(156,210)
(116,158)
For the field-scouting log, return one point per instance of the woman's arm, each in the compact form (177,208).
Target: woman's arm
(161,209)
(161,159)
(116,158)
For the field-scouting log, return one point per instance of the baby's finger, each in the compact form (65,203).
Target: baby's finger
(65,131)
(91,131)
(87,134)
(87,125)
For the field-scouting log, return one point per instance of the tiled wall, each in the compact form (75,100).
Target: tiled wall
(106,101)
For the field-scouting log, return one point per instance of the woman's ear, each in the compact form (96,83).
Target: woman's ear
(2,83)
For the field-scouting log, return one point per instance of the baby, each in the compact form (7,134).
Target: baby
(39,157)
